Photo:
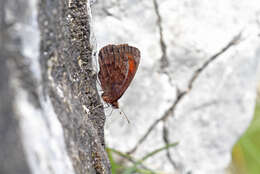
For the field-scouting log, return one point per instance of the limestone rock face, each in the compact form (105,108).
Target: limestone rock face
(196,83)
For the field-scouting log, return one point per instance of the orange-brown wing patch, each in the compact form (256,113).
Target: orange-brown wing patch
(132,57)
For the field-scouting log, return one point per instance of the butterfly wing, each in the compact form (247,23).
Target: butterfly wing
(118,65)
(131,57)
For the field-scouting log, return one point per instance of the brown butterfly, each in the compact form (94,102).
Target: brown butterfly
(118,65)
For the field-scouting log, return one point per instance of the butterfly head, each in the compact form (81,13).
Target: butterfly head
(115,105)
(109,99)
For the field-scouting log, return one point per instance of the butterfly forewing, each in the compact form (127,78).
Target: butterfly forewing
(118,65)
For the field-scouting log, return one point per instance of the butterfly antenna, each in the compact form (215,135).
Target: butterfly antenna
(121,111)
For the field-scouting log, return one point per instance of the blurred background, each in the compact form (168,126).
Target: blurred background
(211,47)
(246,152)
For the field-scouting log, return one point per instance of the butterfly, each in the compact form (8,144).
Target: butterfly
(118,65)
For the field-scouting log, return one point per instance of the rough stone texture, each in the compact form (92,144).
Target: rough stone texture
(196,82)
(50,115)
(66,60)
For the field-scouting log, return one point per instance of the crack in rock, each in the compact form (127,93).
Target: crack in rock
(235,40)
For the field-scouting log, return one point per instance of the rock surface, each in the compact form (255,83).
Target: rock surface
(196,82)
(49,119)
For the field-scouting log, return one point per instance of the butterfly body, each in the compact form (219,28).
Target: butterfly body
(118,65)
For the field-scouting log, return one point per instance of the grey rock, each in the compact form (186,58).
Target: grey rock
(195,85)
